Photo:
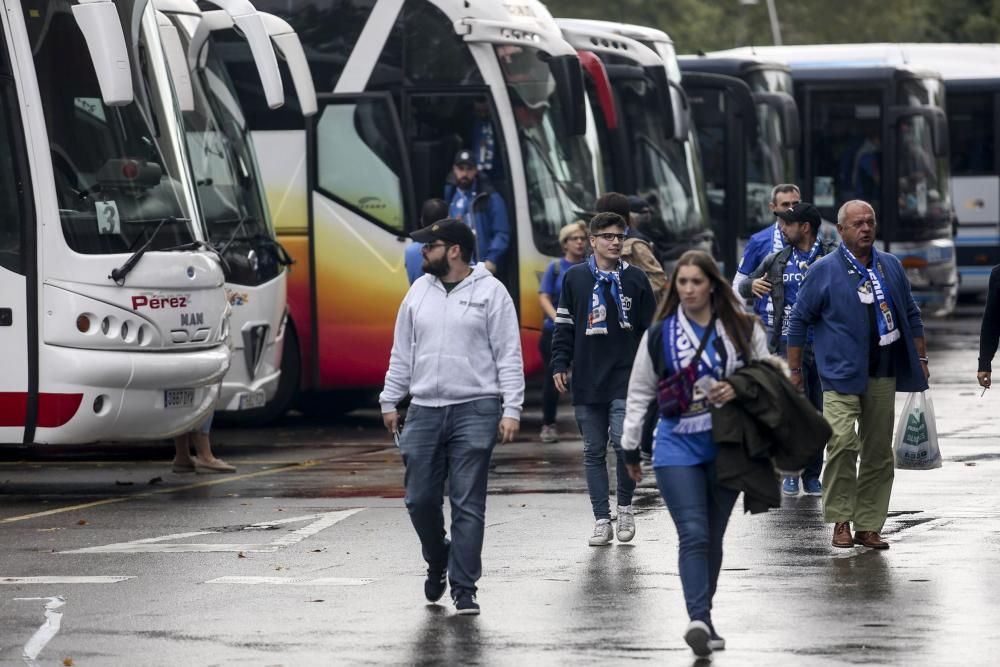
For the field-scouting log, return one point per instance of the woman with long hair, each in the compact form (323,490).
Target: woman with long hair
(700,324)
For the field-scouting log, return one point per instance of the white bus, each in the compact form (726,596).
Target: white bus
(403,85)
(230,191)
(114,321)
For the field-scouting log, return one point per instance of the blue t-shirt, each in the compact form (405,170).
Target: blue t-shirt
(684,449)
(552,284)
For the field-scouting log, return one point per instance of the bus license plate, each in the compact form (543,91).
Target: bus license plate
(252,399)
(178,398)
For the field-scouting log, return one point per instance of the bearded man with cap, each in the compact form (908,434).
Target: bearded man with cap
(457,351)
(473,200)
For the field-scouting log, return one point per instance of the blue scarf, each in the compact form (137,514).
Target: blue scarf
(766,308)
(680,342)
(873,289)
(597,318)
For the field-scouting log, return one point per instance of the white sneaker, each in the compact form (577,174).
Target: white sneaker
(626,524)
(698,636)
(549,433)
(613,511)
(603,534)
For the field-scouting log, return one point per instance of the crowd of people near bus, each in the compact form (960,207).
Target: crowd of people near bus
(717,384)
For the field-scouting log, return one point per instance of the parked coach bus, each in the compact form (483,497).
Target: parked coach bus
(403,85)
(878,132)
(114,322)
(643,124)
(230,191)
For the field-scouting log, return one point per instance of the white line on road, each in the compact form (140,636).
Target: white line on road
(291,581)
(167,544)
(48,630)
(61,580)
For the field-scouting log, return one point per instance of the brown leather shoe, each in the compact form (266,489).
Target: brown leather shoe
(842,535)
(870,539)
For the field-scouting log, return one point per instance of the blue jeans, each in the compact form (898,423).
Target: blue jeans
(453,442)
(598,423)
(700,510)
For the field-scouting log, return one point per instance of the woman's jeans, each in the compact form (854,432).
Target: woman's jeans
(550,396)
(700,510)
(598,423)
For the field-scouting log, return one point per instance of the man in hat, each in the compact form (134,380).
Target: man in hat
(457,351)
(473,200)
(779,277)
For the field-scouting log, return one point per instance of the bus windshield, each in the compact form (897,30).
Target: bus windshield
(924,198)
(664,176)
(769,159)
(113,185)
(228,183)
(559,167)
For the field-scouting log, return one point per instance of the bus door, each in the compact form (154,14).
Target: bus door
(18,274)
(439,123)
(725,120)
(361,212)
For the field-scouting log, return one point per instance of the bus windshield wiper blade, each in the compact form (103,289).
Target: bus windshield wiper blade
(236,231)
(118,275)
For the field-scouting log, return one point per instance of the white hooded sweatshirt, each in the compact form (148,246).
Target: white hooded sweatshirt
(456,347)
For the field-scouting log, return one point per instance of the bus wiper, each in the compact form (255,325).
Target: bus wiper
(236,231)
(118,275)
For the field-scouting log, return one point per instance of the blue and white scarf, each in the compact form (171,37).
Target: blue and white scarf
(679,345)
(873,289)
(597,318)
(767,303)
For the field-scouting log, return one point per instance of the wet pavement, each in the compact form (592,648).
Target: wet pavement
(306,556)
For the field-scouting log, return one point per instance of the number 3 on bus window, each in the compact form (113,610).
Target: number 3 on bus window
(108,221)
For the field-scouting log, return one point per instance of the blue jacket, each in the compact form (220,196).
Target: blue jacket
(413,259)
(828,300)
(488,218)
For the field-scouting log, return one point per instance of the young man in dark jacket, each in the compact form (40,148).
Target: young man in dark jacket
(779,277)
(854,287)
(605,307)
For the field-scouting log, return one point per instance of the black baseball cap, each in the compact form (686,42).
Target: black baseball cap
(802,212)
(637,204)
(464,156)
(449,230)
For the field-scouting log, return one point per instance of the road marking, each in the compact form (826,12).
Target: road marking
(61,580)
(186,487)
(48,629)
(291,581)
(169,544)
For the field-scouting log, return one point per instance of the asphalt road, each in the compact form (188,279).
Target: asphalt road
(306,556)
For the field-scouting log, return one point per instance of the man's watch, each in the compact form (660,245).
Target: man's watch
(796,370)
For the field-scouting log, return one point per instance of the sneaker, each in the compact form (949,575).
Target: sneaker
(698,636)
(790,486)
(626,524)
(437,579)
(466,605)
(603,534)
(812,487)
(613,511)
(549,433)
(716,643)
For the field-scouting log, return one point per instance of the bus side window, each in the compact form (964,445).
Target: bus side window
(359,161)
(12,185)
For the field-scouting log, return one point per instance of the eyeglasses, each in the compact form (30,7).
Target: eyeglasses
(576,238)
(430,246)
(609,237)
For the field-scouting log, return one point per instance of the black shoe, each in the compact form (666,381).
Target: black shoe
(437,579)
(466,605)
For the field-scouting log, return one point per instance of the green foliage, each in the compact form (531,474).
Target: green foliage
(708,25)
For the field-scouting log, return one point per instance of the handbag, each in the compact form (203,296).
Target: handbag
(673,393)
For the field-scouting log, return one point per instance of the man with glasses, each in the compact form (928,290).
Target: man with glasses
(869,340)
(457,350)
(604,308)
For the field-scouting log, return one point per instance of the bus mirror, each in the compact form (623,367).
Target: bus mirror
(783,105)
(173,49)
(736,91)
(287,42)
(102,30)
(681,108)
(941,137)
(598,74)
(250,25)
(661,85)
(936,120)
(572,97)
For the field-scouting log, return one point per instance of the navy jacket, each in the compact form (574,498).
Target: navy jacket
(828,300)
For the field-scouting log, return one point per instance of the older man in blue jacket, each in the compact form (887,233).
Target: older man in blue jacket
(869,343)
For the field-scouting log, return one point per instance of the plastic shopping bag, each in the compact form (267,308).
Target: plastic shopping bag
(916,444)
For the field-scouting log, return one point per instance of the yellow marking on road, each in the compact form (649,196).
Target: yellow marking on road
(145,494)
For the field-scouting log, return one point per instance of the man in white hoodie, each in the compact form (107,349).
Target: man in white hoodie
(457,351)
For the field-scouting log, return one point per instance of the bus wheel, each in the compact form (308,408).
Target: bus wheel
(288,388)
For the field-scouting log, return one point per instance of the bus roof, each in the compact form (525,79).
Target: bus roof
(833,61)
(632,31)
(729,65)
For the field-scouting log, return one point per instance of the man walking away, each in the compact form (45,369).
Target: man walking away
(605,307)
(456,349)
(763,243)
(856,286)
(413,258)
(779,277)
